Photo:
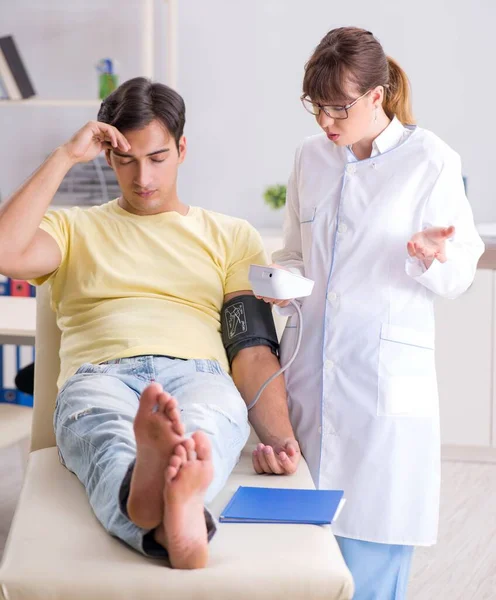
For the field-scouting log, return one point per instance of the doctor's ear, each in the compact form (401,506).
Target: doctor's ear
(377,96)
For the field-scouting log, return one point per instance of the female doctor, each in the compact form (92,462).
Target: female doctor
(376,214)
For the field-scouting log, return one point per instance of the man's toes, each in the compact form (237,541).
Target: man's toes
(174,417)
(175,461)
(168,406)
(163,400)
(189,445)
(178,428)
(161,403)
(171,410)
(170,473)
(180,451)
(202,445)
(170,400)
(149,397)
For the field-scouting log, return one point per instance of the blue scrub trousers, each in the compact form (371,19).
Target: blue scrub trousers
(380,571)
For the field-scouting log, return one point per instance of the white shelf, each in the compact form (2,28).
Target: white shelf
(42,102)
(148,56)
(17,320)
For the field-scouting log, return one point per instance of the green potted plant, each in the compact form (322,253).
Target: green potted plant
(275,196)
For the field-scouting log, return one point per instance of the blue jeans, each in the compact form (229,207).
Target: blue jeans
(380,571)
(93,424)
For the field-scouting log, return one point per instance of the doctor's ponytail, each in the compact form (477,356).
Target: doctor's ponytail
(397,94)
(353,55)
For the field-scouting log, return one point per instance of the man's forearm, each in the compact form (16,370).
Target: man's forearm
(21,216)
(270,416)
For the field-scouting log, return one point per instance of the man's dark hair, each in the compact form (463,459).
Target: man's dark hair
(139,101)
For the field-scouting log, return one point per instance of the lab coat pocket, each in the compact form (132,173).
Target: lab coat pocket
(407,385)
(307,218)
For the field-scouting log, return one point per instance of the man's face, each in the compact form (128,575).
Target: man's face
(147,174)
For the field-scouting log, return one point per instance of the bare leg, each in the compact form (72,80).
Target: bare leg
(158,430)
(183,531)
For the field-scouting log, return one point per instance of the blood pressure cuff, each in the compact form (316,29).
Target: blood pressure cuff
(247,322)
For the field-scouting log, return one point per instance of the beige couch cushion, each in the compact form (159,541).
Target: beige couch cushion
(57,550)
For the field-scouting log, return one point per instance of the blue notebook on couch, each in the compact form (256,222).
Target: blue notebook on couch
(282,505)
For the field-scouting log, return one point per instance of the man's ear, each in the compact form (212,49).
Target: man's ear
(182,149)
(107,158)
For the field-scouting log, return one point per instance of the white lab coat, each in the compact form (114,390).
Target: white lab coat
(362,390)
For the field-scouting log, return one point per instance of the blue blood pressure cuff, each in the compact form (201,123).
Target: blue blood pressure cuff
(247,322)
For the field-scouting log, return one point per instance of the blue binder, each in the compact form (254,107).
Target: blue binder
(15,397)
(282,505)
(12,359)
(4,286)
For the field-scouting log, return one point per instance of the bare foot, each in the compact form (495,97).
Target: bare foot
(184,531)
(158,430)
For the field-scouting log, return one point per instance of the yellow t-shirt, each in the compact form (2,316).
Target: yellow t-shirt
(131,285)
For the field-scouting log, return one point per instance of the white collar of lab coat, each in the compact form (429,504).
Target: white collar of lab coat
(387,140)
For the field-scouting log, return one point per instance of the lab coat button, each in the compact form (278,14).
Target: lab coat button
(343,228)
(329,364)
(333,296)
(350,169)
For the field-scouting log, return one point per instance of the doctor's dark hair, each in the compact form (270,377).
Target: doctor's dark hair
(353,55)
(138,102)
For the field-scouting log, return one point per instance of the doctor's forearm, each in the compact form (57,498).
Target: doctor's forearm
(270,416)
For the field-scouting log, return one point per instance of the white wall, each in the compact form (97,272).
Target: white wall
(240,71)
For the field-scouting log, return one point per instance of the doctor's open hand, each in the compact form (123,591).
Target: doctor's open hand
(90,140)
(281,458)
(430,244)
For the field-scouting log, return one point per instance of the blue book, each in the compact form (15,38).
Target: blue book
(12,359)
(4,286)
(281,505)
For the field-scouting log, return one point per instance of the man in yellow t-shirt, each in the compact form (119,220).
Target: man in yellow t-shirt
(151,413)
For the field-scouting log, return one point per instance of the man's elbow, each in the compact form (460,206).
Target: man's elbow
(9,264)
(254,354)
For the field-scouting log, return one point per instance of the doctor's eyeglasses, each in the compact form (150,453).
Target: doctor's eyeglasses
(333,112)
